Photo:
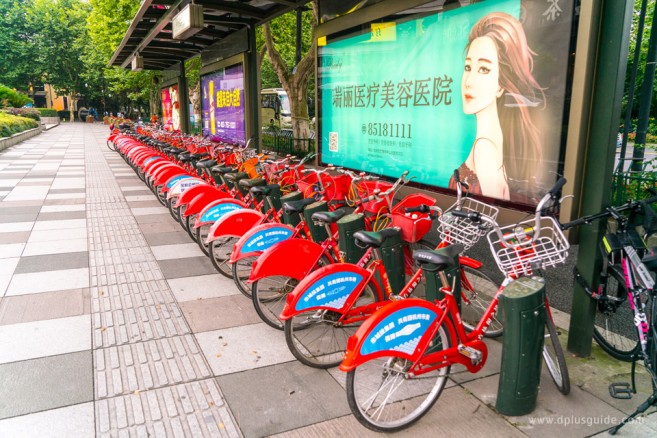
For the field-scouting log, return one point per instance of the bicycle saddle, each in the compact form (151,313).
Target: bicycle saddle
(328,217)
(374,239)
(232,177)
(263,190)
(222,169)
(253,182)
(206,164)
(438,259)
(297,206)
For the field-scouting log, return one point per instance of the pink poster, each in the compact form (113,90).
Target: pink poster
(170,108)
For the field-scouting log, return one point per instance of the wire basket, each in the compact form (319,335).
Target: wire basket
(550,249)
(453,229)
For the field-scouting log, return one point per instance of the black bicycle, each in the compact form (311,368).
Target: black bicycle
(626,308)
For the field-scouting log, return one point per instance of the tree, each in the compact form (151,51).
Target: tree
(294,80)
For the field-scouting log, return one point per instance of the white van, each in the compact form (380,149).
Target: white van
(275,108)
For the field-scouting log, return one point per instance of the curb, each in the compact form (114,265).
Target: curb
(17,138)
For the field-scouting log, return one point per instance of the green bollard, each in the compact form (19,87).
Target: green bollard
(347,226)
(273,199)
(522,348)
(392,253)
(293,219)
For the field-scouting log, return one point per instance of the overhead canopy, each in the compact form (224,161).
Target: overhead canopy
(150,34)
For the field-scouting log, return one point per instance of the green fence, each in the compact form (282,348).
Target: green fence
(631,185)
(282,142)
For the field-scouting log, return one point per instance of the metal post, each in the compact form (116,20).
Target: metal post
(183,99)
(646,100)
(252,90)
(615,20)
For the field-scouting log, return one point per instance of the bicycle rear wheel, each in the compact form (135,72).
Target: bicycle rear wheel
(111,146)
(554,358)
(385,398)
(614,328)
(317,338)
(202,234)
(477,292)
(220,251)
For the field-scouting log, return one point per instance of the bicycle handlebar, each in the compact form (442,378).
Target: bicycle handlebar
(609,211)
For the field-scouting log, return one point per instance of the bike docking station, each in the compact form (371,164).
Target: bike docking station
(523,303)
(347,226)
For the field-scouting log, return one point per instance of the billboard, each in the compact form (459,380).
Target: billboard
(481,88)
(171,108)
(223,104)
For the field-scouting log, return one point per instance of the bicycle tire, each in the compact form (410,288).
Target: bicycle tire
(614,329)
(189,222)
(402,399)
(202,234)
(554,358)
(220,251)
(315,339)
(161,196)
(269,295)
(111,146)
(241,271)
(477,292)
(183,218)
(172,210)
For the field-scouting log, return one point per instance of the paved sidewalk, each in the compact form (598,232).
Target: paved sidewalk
(113,323)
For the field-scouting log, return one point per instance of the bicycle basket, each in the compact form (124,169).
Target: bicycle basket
(550,249)
(367,187)
(413,225)
(336,186)
(462,230)
(306,185)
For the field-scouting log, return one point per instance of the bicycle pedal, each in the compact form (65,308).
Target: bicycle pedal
(620,390)
(474,354)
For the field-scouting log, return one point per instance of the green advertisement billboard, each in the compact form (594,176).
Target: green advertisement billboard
(481,88)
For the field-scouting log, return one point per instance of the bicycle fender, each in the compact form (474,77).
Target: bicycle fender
(158,170)
(470,263)
(152,166)
(146,158)
(333,287)
(188,195)
(276,260)
(260,238)
(400,329)
(214,210)
(173,180)
(205,197)
(183,185)
(235,224)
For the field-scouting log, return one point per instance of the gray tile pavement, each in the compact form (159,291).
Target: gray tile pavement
(113,324)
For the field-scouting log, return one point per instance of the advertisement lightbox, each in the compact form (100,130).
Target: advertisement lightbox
(223,104)
(481,88)
(171,108)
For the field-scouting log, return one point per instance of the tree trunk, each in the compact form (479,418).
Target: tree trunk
(295,84)
(71,106)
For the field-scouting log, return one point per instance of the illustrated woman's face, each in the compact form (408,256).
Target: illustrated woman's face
(480,86)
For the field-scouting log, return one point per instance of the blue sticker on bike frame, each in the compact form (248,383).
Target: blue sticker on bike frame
(400,331)
(330,291)
(176,179)
(148,160)
(264,239)
(214,213)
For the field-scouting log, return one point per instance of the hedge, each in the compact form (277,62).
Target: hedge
(31,113)
(47,112)
(10,125)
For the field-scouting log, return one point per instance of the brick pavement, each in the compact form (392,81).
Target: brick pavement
(113,323)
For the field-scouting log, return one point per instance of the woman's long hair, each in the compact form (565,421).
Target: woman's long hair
(523,153)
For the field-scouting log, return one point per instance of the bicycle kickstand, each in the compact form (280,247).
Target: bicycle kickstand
(651,401)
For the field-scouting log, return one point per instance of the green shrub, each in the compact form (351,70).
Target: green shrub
(47,112)
(30,113)
(12,98)
(10,125)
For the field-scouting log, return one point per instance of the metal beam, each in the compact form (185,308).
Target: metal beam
(232,7)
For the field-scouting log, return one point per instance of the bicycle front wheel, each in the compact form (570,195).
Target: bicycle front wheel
(554,358)
(269,296)
(318,338)
(614,328)
(220,251)
(202,234)
(384,397)
(477,292)
(241,271)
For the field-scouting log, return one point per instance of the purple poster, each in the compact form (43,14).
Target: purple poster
(223,104)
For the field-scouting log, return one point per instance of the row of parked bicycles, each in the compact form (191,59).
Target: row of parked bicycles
(332,259)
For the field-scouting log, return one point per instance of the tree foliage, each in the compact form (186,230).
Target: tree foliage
(641,61)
